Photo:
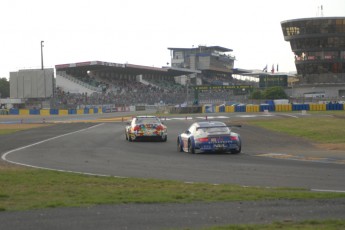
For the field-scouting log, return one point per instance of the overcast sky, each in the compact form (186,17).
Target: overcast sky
(140,31)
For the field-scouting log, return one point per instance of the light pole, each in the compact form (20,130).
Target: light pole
(42,54)
(244,94)
(187,84)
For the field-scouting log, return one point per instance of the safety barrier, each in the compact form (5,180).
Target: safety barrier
(44,112)
(272,108)
(230,109)
(334,106)
(205,109)
(252,108)
(24,112)
(240,108)
(283,108)
(317,107)
(300,107)
(48,112)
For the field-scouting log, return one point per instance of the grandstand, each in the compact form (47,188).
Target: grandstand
(104,83)
(99,83)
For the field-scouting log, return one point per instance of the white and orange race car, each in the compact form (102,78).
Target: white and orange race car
(146,128)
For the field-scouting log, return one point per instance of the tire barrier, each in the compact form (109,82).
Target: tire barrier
(334,106)
(48,112)
(229,109)
(252,108)
(283,108)
(317,107)
(240,108)
(45,112)
(272,108)
(300,107)
(210,108)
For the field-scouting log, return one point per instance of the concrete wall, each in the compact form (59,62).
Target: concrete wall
(33,83)
(330,91)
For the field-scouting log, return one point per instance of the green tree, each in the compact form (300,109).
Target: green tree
(276,92)
(256,94)
(4,88)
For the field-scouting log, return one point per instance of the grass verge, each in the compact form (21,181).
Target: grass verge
(305,225)
(12,128)
(322,129)
(23,189)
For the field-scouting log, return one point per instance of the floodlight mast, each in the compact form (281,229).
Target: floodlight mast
(42,67)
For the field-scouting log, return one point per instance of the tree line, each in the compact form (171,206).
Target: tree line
(4,88)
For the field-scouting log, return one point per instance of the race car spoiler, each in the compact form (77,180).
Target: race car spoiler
(228,126)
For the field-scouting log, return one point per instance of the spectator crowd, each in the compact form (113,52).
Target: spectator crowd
(127,92)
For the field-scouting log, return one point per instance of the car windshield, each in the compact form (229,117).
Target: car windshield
(147,120)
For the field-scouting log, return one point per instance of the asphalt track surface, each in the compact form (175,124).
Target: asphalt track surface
(101,149)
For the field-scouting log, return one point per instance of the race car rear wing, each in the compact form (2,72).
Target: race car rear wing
(209,127)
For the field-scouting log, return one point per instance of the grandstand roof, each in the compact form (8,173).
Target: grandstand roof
(218,48)
(123,68)
(313,19)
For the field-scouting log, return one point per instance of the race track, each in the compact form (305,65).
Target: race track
(101,148)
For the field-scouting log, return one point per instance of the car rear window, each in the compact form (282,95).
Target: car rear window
(214,129)
(147,120)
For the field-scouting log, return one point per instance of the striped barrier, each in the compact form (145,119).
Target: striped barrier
(273,108)
(300,107)
(240,108)
(63,112)
(230,109)
(24,112)
(80,111)
(283,108)
(34,111)
(205,109)
(252,108)
(331,106)
(317,107)
(264,108)
(45,112)
(48,112)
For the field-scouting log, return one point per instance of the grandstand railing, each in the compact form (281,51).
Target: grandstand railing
(79,82)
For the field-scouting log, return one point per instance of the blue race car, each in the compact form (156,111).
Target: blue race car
(209,136)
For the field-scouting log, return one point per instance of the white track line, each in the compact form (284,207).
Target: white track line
(325,190)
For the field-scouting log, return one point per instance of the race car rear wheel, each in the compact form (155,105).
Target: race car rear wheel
(237,151)
(165,139)
(179,146)
(191,149)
